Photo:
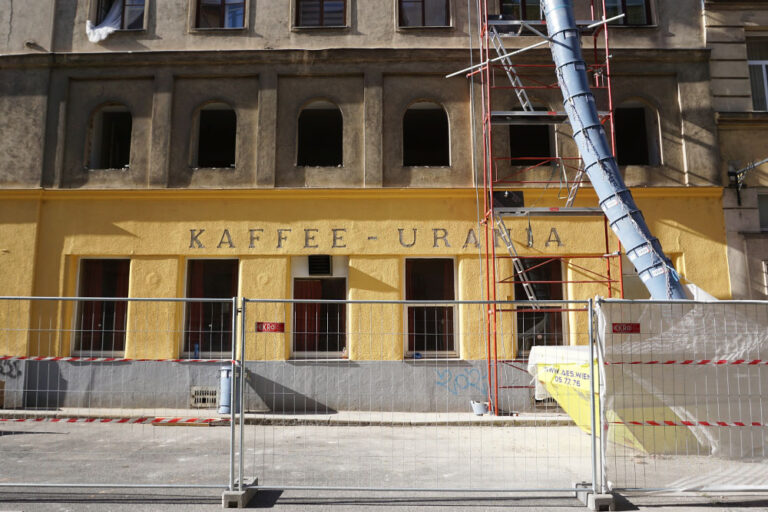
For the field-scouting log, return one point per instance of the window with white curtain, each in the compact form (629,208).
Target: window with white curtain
(114,15)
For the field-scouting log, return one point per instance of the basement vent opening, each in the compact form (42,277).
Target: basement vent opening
(319,265)
(204,397)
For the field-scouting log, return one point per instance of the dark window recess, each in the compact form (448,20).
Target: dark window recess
(508,199)
(114,141)
(425,138)
(528,144)
(321,13)
(319,327)
(424,13)
(208,327)
(545,326)
(762,209)
(631,136)
(217,138)
(321,134)
(220,14)
(430,328)
(129,12)
(319,265)
(638,12)
(100,324)
(521,9)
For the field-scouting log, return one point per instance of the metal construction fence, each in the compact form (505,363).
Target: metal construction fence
(384,395)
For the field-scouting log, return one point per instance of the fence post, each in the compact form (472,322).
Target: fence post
(592,394)
(232,407)
(241,396)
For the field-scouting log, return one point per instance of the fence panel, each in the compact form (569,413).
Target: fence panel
(95,385)
(377,395)
(685,395)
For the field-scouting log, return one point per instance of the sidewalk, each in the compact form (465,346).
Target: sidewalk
(341,418)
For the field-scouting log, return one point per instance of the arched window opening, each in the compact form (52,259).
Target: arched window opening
(110,138)
(217,136)
(425,135)
(637,138)
(321,136)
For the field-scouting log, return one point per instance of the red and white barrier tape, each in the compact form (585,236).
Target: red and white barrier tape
(111,359)
(691,423)
(695,362)
(136,420)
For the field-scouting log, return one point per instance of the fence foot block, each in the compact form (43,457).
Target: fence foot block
(601,502)
(238,499)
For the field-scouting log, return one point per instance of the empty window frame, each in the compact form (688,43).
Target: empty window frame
(220,14)
(320,141)
(637,139)
(120,14)
(757,59)
(426,138)
(638,12)
(545,325)
(216,136)
(100,324)
(430,327)
(321,13)
(424,13)
(521,9)
(530,144)
(208,324)
(762,208)
(110,138)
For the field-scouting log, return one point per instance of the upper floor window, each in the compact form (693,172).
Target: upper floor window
(521,9)
(762,208)
(757,56)
(112,15)
(638,12)
(425,135)
(216,136)
(321,136)
(220,14)
(424,13)
(637,135)
(321,13)
(531,144)
(110,138)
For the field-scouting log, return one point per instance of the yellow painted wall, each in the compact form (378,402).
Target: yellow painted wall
(46,234)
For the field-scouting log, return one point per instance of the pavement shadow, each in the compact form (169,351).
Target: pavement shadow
(282,399)
(11,433)
(101,497)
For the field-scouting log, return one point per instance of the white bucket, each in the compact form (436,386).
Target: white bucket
(479,408)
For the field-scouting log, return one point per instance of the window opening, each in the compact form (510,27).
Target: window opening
(424,13)
(320,136)
(528,143)
(430,328)
(544,326)
(100,324)
(120,14)
(762,208)
(521,9)
(426,136)
(638,12)
(217,136)
(220,14)
(633,144)
(321,13)
(757,59)
(208,326)
(111,138)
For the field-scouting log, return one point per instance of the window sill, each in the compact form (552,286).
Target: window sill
(651,25)
(105,353)
(409,28)
(108,169)
(312,28)
(214,30)
(230,168)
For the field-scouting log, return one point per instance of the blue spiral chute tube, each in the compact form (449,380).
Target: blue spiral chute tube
(626,220)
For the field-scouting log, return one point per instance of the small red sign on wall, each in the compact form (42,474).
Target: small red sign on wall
(626,328)
(270,327)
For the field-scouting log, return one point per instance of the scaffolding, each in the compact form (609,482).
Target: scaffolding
(506,177)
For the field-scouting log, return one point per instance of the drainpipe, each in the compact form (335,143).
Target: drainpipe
(624,217)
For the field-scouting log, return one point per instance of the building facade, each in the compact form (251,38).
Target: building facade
(314,149)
